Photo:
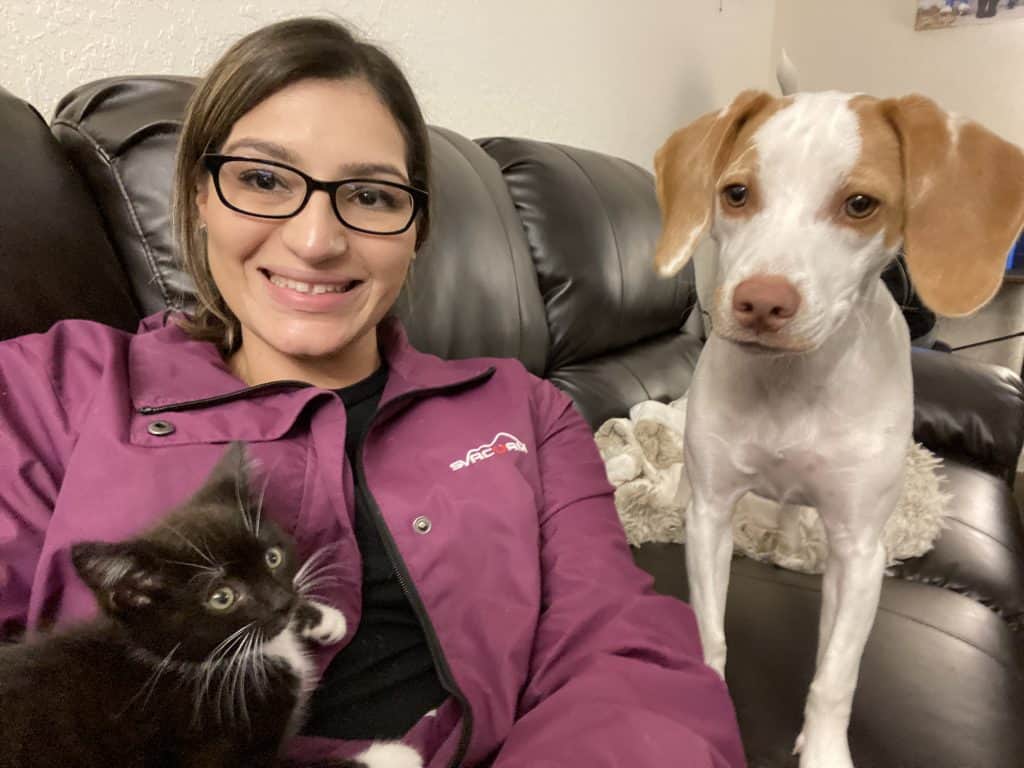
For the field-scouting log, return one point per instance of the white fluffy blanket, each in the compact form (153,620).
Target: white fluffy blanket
(644,459)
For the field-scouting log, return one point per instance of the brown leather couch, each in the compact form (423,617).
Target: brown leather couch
(543,252)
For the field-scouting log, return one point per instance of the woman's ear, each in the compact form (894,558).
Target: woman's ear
(964,204)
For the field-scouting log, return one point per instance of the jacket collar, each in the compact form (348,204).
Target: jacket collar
(171,371)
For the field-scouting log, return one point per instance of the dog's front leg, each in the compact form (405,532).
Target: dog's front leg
(708,555)
(850,592)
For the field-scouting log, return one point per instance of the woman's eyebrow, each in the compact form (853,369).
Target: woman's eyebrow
(269,148)
(372,169)
(283,154)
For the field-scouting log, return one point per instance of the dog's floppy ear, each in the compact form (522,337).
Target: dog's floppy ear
(686,169)
(964,204)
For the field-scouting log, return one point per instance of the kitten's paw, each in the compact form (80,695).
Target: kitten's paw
(391,755)
(330,627)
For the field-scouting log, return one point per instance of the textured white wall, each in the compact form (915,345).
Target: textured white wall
(605,74)
(871,46)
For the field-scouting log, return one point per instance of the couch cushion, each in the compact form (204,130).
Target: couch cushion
(121,134)
(473,290)
(592,221)
(55,259)
(981,552)
(607,386)
(941,681)
(969,410)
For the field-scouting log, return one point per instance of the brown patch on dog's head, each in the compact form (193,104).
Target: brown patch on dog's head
(742,163)
(878,174)
(687,170)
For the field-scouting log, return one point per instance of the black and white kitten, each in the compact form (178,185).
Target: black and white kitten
(197,658)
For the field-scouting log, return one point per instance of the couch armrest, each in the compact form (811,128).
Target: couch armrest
(970,410)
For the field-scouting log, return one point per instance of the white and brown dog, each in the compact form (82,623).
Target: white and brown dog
(803,392)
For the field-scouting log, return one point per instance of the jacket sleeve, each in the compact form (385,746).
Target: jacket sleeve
(34,439)
(617,676)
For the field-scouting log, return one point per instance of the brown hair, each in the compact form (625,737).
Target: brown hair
(253,69)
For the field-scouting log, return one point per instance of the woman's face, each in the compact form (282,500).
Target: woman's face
(307,290)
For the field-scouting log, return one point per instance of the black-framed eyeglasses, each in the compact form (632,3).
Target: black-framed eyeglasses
(273,190)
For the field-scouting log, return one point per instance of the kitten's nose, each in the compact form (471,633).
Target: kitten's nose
(281,601)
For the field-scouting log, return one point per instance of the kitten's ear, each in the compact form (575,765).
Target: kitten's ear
(122,576)
(228,481)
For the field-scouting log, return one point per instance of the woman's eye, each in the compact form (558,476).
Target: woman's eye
(264,181)
(860,206)
(274,557)
(223,599)
(373,198)
(735,195)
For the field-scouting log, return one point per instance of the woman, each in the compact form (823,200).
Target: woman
(498,615)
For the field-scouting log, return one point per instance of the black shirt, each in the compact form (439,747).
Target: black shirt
(384,681)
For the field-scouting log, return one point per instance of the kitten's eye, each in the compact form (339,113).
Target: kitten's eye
(860,206)
(274,557)
(222,600)
(735,195)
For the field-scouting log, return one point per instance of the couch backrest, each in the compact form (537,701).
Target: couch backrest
(55,258)
(537,251)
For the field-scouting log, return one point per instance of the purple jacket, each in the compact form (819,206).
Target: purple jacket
(555,647)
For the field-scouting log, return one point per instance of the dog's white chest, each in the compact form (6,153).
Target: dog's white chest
(788,475)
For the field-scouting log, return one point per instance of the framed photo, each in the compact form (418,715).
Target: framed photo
(942,14)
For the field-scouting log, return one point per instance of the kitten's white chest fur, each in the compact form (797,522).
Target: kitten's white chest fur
(287,647)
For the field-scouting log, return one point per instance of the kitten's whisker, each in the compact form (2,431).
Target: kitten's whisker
(238,684)
(205,555)
(311,563)
(306,587)
(322,568)
(242,506)
(259,504)
(224,690)
(210,657)
(238,679)
(261,664)
(209,568)
(318,575)
(212,666)
(151,681)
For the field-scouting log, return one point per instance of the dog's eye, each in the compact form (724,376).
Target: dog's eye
(860,206)
(735,195)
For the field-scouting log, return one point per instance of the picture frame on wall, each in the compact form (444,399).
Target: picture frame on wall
(943,14)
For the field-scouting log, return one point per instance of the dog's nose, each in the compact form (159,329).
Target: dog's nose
(765,302)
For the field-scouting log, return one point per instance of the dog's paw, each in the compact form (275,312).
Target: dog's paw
(819,753)
(330,627)
(391,755)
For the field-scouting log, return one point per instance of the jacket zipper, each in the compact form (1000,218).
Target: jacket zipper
(148,410)
(405,582)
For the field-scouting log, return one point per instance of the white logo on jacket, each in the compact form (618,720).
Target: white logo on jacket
(502,443)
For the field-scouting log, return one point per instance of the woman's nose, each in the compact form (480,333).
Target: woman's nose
(314,233)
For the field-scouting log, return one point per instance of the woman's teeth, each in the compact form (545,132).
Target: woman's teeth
(310,288)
